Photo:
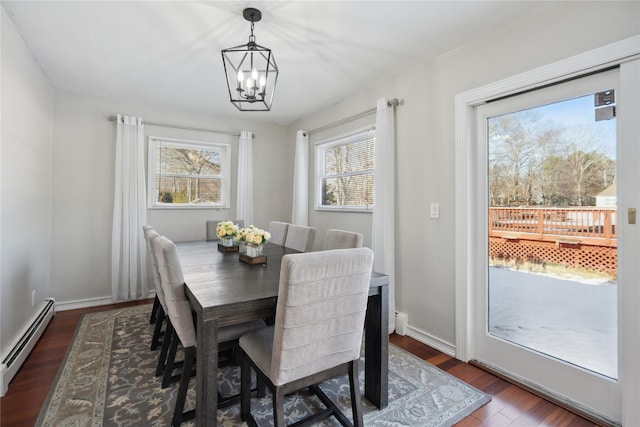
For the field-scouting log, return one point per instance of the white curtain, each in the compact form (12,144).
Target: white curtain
(128,247)
(382,233)
(300,211)
(244,205)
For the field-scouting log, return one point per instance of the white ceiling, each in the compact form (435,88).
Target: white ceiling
(168,52)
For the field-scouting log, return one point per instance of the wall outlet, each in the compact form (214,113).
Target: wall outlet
(435,210)
(33,298)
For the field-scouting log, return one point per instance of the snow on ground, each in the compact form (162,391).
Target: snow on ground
(561,317)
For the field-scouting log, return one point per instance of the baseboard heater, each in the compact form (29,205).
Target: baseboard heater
(23,345)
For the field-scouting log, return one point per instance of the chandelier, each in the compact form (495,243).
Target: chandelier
(251,71)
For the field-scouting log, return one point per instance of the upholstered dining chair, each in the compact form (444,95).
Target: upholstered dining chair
(150,235)
(156,302)
(162,314)
(322,299)
(340,239)
(182,324)
(278,231)
(300,238)
(212,225)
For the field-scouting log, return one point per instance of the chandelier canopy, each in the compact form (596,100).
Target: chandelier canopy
(251,71)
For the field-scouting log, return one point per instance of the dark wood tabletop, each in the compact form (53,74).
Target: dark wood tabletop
(224,291)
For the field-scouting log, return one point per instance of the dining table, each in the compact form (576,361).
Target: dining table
(224,290)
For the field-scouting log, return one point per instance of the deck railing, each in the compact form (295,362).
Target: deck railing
(575,225)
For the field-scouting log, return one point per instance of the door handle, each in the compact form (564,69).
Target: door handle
(632,215)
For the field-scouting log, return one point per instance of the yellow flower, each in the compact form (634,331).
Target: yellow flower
(226,228)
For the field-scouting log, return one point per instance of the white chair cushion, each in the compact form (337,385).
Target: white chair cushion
(300,238)
(340,239)
(278,231)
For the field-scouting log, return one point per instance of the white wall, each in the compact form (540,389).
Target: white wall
(25,184)
(83,164)
(425,274)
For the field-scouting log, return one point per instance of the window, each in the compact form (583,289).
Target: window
(345,171)
(188,174)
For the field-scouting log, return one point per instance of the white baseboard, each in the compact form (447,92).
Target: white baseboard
(3,387)
(83,303)
(19,350)
(431,341)
(92,302)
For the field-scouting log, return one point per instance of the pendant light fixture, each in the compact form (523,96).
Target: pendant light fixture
(251,71)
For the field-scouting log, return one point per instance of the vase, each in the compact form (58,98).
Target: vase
(227,241)
(242,247)
(254,251)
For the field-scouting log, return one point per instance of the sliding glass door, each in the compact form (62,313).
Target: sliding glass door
(548,311)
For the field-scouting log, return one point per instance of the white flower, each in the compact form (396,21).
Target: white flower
(253,236)
(226,229)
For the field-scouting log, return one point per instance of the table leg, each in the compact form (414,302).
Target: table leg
(376,347)
(206,372)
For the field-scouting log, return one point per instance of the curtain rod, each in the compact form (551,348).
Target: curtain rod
(165,125)
(393,103)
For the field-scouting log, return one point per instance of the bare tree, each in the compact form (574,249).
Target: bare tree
(588,168)
(532,162)
(516,143)
(193,164)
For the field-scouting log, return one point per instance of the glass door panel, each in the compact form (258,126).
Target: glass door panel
(547,313)
(552,238)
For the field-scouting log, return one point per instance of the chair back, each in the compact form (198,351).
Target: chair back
(340,239)
(278,231)
(150,237)
(300,238)
(322,300)
(212,225)
(172,279)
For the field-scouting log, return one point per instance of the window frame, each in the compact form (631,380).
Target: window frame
(152,163)
(320,148)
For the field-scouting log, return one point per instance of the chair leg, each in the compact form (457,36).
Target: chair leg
(261,386)
(356,402)
(278,407)
(171,359)
(162,357)
(245,386)
(154,309)
(157,329)
(189,355)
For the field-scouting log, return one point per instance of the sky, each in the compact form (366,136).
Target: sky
(580,113)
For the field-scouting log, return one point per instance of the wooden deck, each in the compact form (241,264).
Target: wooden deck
(594,226)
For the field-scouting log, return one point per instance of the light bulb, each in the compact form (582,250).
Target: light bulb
(249,85)
(254,74)
(240,80)
(262,81)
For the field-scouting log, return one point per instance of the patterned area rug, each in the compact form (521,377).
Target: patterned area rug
(108,379)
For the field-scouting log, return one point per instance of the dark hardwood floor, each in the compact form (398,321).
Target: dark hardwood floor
(510,405)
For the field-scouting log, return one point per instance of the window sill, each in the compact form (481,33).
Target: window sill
(348,210)
(162,208)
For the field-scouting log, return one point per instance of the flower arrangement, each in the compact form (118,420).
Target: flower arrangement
(226,230)
(252,236)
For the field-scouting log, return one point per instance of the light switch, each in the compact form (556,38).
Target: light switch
(435,210)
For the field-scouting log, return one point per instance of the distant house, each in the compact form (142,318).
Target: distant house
(607,197)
